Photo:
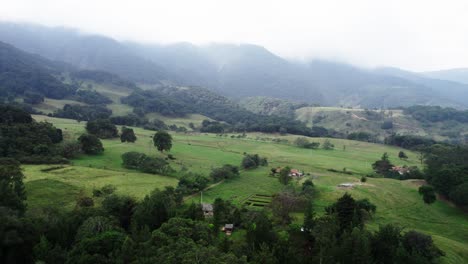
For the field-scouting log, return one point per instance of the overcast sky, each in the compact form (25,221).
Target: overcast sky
(412,34)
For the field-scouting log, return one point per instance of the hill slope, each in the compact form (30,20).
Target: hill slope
(237,70)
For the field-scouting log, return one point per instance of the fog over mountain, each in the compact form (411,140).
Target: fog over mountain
(238,70)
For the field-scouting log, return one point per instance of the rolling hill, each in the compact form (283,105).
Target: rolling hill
(238,71)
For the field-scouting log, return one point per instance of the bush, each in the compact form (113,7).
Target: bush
(225,172)
(70,150)
(133,160)
(127,135)
(192,183)
(85,201)
(102,128)
(90,144)
(253,161)
(327,145)
(144,163)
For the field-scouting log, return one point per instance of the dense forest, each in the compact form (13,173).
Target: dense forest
(180,101)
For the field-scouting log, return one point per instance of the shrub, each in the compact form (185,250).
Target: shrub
(102,128)
(90,144)
(85,201)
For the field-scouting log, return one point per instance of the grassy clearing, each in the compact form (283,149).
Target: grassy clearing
(397,201)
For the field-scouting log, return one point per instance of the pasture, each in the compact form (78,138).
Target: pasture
(397,201)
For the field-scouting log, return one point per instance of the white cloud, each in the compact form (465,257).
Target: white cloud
(413,34)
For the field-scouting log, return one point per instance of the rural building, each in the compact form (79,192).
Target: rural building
(207,210)
(401,170)
(295,173)
(228,228)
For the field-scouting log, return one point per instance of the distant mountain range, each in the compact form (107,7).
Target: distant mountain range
(240,71)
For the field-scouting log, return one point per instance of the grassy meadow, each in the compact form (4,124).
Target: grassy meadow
(397,201)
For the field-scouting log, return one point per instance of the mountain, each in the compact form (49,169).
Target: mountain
(81,50)
(457,75)
(238,71)
(22,73)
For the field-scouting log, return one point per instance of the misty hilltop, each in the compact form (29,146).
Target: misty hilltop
(240,71)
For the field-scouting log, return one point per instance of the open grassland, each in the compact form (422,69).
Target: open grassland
(397,201)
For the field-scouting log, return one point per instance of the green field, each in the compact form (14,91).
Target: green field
(397,201)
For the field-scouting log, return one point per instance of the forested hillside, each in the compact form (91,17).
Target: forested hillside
(238,70)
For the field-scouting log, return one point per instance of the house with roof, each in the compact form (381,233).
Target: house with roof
(401,170)
(228,228)
(295,173)
(207,210)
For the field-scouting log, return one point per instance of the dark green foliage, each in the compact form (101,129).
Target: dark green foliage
(303,142)
(387,124)
(133,160)
(428,194)
(156,125)
(102,247)
(26,140)
(90,144)
(129,120)
(144,163)
(402,155)
(127,135)
(446,170)
(194,211)
(155,165)
(420,245)
(212,127)
(383,166)
(251,161)
(225,172)
(409,141)
(46,252)
(349,212)
(284,175)
(191,183)
(17,238)
(385,244)
(102,77)
(259,230)
(162,141)
(362,136)
(459,194)
(33,98)
(327,145)
(92,97)
(22,73)
(70,150)
(12,193)
(156,208)
(83,112)
(307,188)
(436,114)
(120,207)
(102,128)
(225,213)
(178,102)
(85,201)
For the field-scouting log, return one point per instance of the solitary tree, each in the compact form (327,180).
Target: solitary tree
(162,141)
(284,175)
(402,155)
(127,135)
(327,145)
(90,144)
(428,194)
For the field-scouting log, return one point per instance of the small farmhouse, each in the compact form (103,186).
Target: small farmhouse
(295,173)
(401,170)
(228,228)
(207,210)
